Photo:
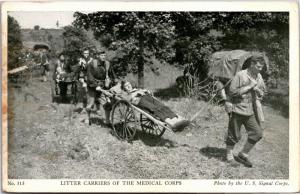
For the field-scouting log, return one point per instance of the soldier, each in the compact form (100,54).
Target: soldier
(61,71)
(246,90)
(84,62)
(44,64)
(99,75)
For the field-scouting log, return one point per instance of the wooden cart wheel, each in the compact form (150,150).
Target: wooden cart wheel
(123,120)
(150,127)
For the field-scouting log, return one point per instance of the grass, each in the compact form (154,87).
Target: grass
(49,141)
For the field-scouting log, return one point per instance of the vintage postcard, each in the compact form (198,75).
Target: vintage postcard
(171,96)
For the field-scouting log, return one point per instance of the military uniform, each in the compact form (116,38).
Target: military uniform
(61,73)
(81,75)
(97,73)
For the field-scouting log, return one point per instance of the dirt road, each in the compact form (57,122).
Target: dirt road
(48,141)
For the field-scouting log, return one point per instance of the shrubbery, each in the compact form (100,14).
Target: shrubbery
(75,40)
(14,43)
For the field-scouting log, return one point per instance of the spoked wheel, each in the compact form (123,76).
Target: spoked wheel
(123,120)
(149,127)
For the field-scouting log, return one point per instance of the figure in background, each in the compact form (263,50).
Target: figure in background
(60,74)
(44,64)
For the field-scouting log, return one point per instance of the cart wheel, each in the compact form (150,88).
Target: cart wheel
(150,127)
(123,120)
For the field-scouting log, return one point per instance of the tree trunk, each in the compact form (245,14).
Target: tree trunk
(141,60)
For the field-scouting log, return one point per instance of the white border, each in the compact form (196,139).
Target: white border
(187,185)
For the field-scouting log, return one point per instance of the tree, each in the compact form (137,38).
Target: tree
(263,31)
(136,35)
(193,42)
(14,43)
(75,40)
(190,37)
(36,27)
(254,31)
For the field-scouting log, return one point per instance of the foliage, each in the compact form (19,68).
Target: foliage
(135,35)
(190,37)
(263,31)
(194,43)
(14,43)
(36,27)
(75,40)
(200,33)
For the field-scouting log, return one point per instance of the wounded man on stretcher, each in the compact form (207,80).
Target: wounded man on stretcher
(144,99)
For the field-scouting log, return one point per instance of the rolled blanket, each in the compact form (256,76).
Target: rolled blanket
(259,111)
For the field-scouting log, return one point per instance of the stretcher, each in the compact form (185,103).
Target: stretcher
(127,118)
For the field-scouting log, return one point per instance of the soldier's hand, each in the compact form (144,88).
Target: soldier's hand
(253,83)
(228,107)
(258,91)
(98,88)
(149,92)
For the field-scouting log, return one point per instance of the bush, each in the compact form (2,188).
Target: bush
(75,40)
(14,43)
(36,27)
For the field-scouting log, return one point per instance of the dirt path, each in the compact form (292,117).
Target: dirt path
(49,141)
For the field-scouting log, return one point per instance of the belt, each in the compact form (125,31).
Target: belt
(246,100)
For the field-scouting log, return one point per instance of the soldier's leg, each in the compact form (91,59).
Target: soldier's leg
(47,72)
(254,135)
(107,106)
(234,134)
(85,95)
(90,101)
(254,131)
(82,94)
(43,72)
(63,90)
(98,102)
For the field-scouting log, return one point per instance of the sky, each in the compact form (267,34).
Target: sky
(28,19)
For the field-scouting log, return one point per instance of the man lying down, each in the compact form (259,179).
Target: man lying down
(144,99)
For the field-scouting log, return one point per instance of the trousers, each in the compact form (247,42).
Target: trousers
(252,127)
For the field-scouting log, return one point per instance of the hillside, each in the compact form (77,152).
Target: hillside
(47,140)
(53,37)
